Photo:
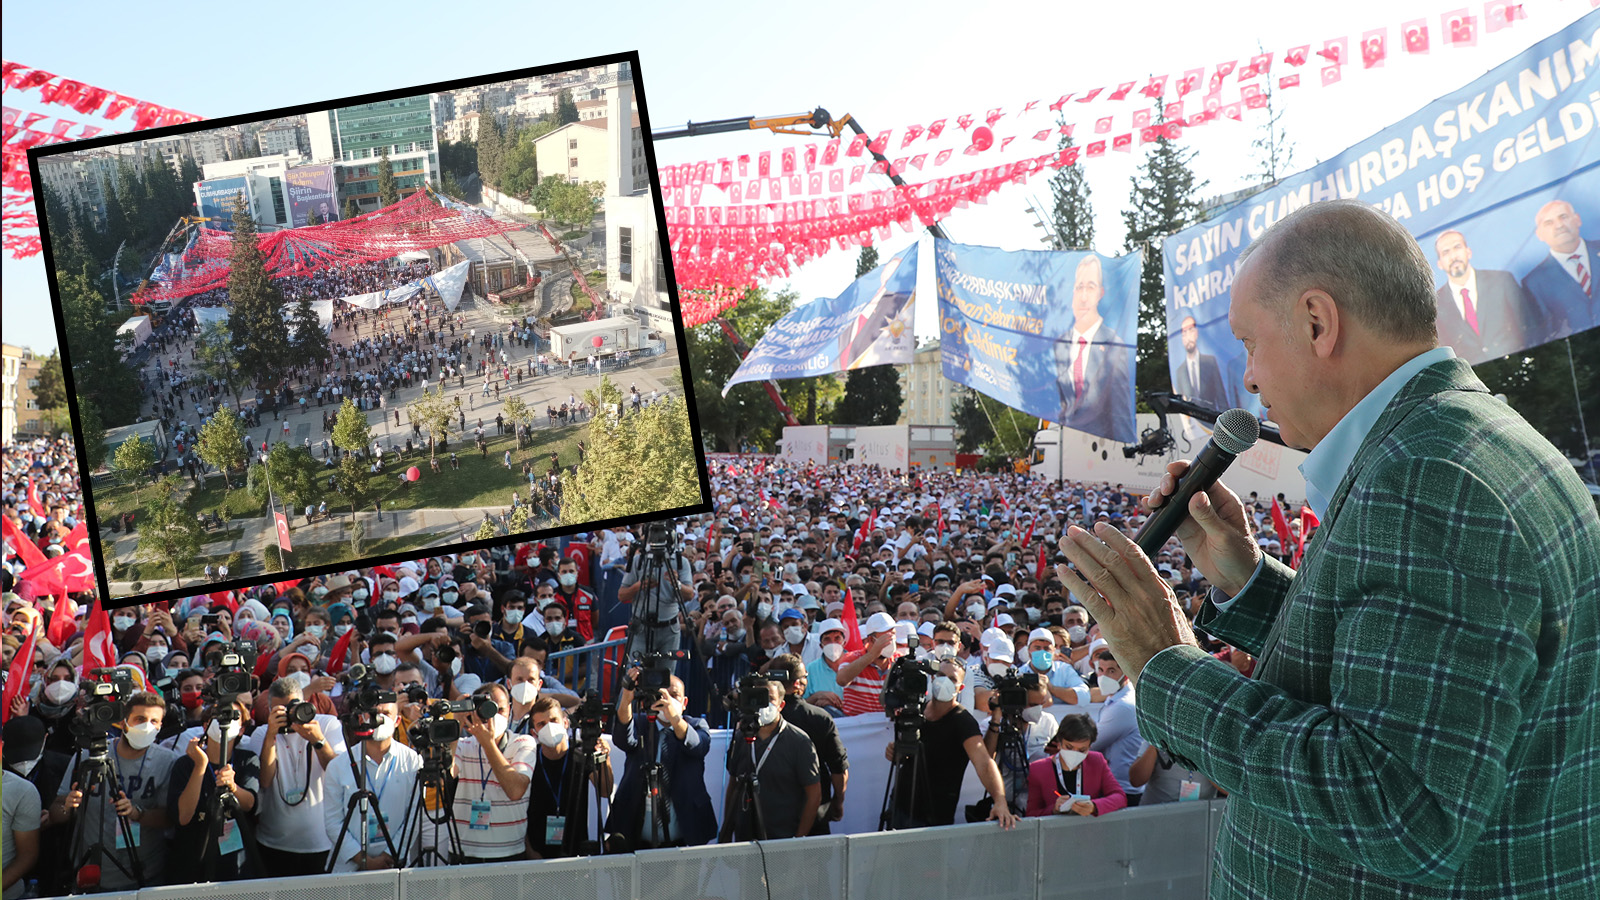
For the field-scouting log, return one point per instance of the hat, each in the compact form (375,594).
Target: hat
(987,577)
(805,601)
(24,739)
(467,682)
(1041,634)
(904,632)
(991,635)
(1003,620)
(827,625)
(877,623)
(337,583)
(430,590)
(925,629)
(1006,590)
(1000,651)
(408,585)
(834,608)
(791,614)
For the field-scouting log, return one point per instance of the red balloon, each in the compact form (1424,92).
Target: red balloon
(982,138)
(597,340)
(413,473)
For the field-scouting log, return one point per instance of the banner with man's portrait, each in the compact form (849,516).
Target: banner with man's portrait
(311,190)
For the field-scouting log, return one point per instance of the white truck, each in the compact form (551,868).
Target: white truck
(578,339)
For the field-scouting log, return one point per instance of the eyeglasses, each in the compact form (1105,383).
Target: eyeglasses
(39,665)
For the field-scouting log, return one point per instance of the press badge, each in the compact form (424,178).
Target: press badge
(122,844)
(480,816)
(1190,790)
(231,841)
(554,828)
(374,835)
(294,797)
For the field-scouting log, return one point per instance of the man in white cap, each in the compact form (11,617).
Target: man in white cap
(1056,675)
(863,672)
(822,683)
(998,658)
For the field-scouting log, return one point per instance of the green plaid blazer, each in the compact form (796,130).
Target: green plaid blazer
(1424,720)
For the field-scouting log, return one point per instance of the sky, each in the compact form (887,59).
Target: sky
(888,64)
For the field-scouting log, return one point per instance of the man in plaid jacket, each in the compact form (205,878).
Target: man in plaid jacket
(1422,721)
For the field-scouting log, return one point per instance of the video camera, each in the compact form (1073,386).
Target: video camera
(906,687)
(655,676)
(753,694)
(234,666)
(104,709)
(659,541)
(434,731)
(363,698)
(1011,692)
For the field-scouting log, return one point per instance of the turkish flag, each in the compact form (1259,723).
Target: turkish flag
(1123,143)
(45,577)
(337,654)
(1121,93)
(857,144)
(1149,133)
(1498,14)
(33,500)
(1067,129)
(1056,106)
(1156,87)
(1460,28)
(1172,130)
(942,157)
(880,143)
(814,183)
(1298,56)
(811,157)
(788,161)
(1041,135)
(21,544)
(936,129)
(1330,75)
(1141,118)
(1261,64)
(994,116)
(17,675)
(744,163)
(1223,70)
(1190,82)
(77,573)
(1039,569)
(1288,81)
(1374,48)
(1090,96)
(830,153)
(1335,50)
(916,161)
(1095,148)
(63,622)
(99,647)
(1174,110)
(752,191)
(836,180)
(1280,523)
(964,120)
(283,532)
(852,627)
(1233,111)
(1416,35)
(1102,126)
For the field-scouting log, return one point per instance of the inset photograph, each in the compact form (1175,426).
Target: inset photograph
(301,339)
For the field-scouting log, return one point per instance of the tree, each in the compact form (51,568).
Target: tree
(1273,151)
(573,204)
(294,476)
(872,396)
(168,535)
(217,361)
(188,174)
(746,414)
(1071,214)
(491,150)
(642,463)
(486,530)
(351,210)
(94,433)
(1554,391)
(352,481)
(351,430)
(1164,200)
(51,391)
(260,335)
(432,413)
(387,194)
(566,109)
(311,218)
(984,423)
(519,518)
(310,343)
(98,369)
(222,443)
(133,460)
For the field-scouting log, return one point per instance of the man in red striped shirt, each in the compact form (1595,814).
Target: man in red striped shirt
(862,673)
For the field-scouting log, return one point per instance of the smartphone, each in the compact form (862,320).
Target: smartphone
(716,568)
(210,622)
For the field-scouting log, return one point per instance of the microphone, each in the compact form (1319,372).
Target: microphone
(1235,432)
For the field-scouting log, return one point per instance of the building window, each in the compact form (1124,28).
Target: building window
(661,272)
(32,403)
(572,144)
(33,382)
(625,254)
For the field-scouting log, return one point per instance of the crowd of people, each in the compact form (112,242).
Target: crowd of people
(790,605)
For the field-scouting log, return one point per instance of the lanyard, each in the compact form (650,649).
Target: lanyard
(1077,779)
(305,788)
(770,744)
(367,775)
(555,789)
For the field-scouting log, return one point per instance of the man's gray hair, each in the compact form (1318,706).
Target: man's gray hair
(1371,266)
(284,688)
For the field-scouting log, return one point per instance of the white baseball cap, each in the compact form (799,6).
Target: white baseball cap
(877,623)
(1041,634)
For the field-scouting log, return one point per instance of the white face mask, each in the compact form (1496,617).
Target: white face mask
(975,610)
(385,663)
(944,688)
(763,611)
(59,692)
(455,666)
(552,734)
(1032,714)
(832,652)
(301,680)
(1071,759)
(316,631)
(391,596)
(568,579)
(513,617)
(524,692)
(794,634)
(341,630)
(1077,634)
(122,623)
(23,768)
(156,652)
(214,731)
(555,627)
(383,730)
(141,735)
(1108,685)
(767,715)
(360,594)
(997,669)
(497,725)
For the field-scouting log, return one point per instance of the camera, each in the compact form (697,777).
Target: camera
(481,628)
(906,687)
(366,694)
(443,656)
(1011,692)
(233,664)
(434,730)
(104,708)
(752,695)
(210,622)
(297,712)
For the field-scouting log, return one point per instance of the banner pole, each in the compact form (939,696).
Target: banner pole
(1577,400)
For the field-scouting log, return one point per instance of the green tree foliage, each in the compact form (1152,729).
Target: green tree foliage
(746,414)
(486,530)
(566,109)
(352,481)
(294,474)
(133,460)
(98,370)
(51,391)
(311,219)
(519,518)
(433,413)
(1071,213)
(491,151)
(872,396)
(351,210)
(642,463)
(351,430)
(94,433)
(214,354)
(1553,391)
(260,335)
(1165,198)
(310,343)
(520,166)
(572,204)
(188,174)
(222,443)
(388,195)
(168,535)
(985,424)
(458,157)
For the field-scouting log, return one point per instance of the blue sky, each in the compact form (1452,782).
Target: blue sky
(890,64)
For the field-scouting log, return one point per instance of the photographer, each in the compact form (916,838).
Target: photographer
(389,770)
(656,581)
(950,740)
(193,794)
(493,769)
(681,743)
(484,656)
(142,770)
(783,760)
(789,670)
(295,749)
(549,786)
(19,833)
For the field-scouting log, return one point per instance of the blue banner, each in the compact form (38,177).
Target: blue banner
(1499,183)
(1053,334)
(867,325)
(214,198)
(311,189)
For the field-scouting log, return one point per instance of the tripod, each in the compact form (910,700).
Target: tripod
(908,761)
(435,763)
(583,761)
(361,800)
(1011,755)
(94,775)
(744,803)
(223,807)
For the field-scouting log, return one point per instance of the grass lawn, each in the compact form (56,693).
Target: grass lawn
(306,555)
(479,481)
(214,495)
(580,301)
(113,498)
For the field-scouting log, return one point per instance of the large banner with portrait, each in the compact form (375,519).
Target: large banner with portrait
(1499,183)
(214,199)
(869,324)
(311,189)
(1051,333)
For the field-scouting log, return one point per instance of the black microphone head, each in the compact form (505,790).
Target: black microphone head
(1236,431)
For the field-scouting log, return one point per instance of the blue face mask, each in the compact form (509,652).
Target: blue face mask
(1041,659)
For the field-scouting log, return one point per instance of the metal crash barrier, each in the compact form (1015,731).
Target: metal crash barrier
(1148,852)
